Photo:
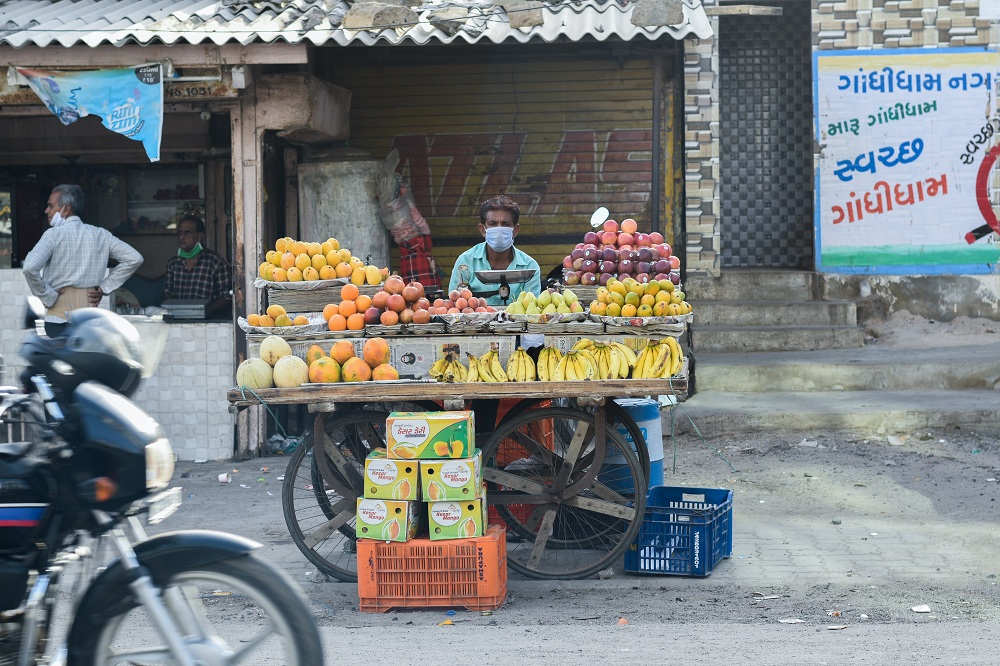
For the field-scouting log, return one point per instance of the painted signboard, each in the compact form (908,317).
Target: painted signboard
(907,179)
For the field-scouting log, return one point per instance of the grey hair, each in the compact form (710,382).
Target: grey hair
(70,195)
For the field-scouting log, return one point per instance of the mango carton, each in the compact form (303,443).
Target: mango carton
(457,519)
(459,479)
(387,520)
(390,479)
(430,435)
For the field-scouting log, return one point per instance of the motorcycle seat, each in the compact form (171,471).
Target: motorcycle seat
(11,451)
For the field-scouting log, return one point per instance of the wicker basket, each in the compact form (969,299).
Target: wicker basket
(312,300)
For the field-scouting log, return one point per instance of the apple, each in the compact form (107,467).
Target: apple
(567,262)
(589,266)
(625,239)
(588,278)
(625,266)
(646,254)
(629,225)
(609,254)
(642,240)
(675,262)
(571,278)
(661,276)
(655,238)
(454,295)
(642,266)
(662,266)
(642,278)
(610,225)
(664,250)
(579,246)
(591,252)
(372,315)
(577,253)
(608,267)
(675,277)
(603,278)
(633,255)
(578,263)
(623,276)
(609,237)
(592,238)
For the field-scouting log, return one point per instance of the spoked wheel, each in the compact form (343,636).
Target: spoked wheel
(322,484)
(616,414)
(548,480)
(236,611)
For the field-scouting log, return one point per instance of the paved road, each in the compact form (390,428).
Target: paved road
(844,535)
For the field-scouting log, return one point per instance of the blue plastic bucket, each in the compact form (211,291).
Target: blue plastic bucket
(646,414)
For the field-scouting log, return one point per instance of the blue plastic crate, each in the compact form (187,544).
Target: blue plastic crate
(685,532)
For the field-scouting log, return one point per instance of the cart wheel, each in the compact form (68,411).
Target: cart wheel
(547,479)
(320,514)
(616,414)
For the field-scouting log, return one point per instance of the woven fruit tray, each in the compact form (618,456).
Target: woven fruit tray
(316,324)
(506,327)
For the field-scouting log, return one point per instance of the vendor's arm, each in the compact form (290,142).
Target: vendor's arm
(32,269)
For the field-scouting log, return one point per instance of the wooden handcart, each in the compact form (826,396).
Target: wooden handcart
(569,512)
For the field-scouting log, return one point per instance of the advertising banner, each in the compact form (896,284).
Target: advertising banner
(907,179)
(129,101)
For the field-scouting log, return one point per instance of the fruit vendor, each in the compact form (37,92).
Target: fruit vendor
(498,223)
(197,272)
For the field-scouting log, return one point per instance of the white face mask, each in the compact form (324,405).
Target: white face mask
(57,220)
(500,238)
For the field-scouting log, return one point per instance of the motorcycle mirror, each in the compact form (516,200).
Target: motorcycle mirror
(599,217)
(34,311)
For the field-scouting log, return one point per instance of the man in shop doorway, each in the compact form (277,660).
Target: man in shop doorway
(68,267)
(197,272)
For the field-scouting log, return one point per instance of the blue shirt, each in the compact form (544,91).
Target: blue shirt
(474,259)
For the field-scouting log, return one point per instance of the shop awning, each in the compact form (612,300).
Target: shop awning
(119,22)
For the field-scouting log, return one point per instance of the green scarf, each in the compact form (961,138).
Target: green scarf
(189,254)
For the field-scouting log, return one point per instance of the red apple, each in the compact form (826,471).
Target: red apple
(625,266)
(577,252)
(625,238)
(655,238)
(642,278)
(675,277)
(589,266)
(567,262)
(588,278)
(610,225)
(608,267)
(675,262)
(591,237)
(609,237)
(662,266)
(609,254)
(571,278)
(591,252)
(578,264)
(641,239)
(629,225)
(603,278)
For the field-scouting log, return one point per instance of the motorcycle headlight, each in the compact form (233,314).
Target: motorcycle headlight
(159,464)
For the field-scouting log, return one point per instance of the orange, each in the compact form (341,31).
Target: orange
(338,322)
(287,260)
(344,269)
(363,302)
(349,292)
(330,310)
(274,311)
(347,308)
(356,322)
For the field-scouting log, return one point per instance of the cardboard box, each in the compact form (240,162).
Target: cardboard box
(387,520)
(457,519)
(430,435)
(391,479)
(452,479)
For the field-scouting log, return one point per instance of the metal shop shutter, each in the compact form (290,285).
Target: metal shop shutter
(766,139)
(560,133)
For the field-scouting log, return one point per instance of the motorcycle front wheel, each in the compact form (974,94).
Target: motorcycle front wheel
(235,611)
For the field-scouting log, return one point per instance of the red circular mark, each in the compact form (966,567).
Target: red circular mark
(982,189)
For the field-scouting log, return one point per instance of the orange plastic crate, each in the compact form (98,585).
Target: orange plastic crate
(420,573)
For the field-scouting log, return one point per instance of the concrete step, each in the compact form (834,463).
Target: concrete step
(864,412)
(869,368)
(776,313)
(754,285)
(772,338)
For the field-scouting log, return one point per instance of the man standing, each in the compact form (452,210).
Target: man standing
(197,272)
(72,257)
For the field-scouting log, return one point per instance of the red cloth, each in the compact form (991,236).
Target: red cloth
(417,263)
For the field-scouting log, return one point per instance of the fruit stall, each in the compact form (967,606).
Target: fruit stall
(565,466)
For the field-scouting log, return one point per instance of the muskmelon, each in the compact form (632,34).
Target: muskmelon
(273,348)
(290,372)
(254,373)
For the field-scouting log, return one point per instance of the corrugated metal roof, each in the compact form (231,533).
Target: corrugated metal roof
(119,22)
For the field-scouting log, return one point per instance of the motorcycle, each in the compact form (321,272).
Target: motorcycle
(81,465)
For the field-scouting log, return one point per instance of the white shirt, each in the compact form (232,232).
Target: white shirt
(75,254)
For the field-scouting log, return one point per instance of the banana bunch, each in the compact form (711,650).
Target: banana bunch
(486,368)
(614,360)
(520,367)
(548,359)
(577,364)
(449,369)
(658,360)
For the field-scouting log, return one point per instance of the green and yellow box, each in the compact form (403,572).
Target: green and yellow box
(452,479)
(430,435)
(391,479)
(457,519)
(387,520)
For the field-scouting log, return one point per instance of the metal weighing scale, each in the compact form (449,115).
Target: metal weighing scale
(505,279)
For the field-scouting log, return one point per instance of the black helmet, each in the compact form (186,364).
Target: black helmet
(96,345)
